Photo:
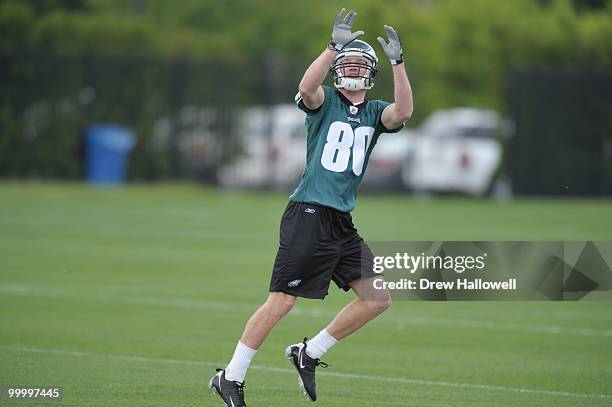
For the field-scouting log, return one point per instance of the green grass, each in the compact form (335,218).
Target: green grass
(131,297)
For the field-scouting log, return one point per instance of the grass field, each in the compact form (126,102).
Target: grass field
(132,296)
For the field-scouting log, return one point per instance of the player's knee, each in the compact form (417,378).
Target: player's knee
(385,304)
(379,305)
(281,303)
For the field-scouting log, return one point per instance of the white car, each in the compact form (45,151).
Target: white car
(385,165)
(457,150)
(273,144)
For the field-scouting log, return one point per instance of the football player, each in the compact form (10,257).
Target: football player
(318,241)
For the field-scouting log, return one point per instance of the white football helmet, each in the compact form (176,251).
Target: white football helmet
(356,54)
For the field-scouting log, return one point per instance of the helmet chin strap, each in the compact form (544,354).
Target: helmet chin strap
(352,84)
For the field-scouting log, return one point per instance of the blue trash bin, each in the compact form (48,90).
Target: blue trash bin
(107,151)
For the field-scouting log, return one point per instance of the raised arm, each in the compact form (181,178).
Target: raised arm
(401,110)
(310,86)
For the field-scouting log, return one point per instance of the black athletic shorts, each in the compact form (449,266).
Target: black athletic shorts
(318,244)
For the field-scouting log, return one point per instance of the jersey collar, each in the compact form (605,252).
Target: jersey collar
(347,102)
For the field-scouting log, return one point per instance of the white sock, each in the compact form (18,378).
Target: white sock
(237,367)
(320,344)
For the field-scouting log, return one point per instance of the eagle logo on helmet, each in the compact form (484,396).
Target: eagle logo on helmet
(355,66)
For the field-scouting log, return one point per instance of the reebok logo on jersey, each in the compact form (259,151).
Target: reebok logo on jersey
(294,283)
(354,119)
(310,210)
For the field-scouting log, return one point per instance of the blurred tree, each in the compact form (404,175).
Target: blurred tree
(45,6)
(16,20)
(582,5)
(456,52)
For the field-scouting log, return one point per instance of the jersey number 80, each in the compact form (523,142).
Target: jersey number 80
(337,150)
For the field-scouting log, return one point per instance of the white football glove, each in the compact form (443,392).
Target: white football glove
(393,49)
(341,31)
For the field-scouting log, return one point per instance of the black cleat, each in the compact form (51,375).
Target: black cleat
(305,366)
(231,392)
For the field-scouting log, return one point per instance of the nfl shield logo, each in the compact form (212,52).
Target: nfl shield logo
(353,109)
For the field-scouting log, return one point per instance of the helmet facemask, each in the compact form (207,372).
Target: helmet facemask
(354,68)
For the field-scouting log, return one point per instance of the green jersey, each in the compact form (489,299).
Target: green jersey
(341,137)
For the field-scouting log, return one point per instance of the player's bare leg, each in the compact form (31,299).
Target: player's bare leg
(229,382)
(305,356)
(265,318)
(369,304)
